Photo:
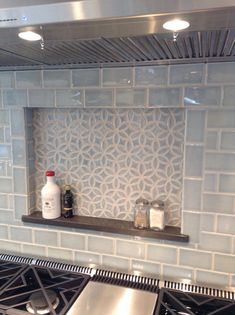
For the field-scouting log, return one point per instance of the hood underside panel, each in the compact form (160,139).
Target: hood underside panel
(204,46)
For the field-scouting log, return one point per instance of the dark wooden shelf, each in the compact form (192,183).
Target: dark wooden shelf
(170,233)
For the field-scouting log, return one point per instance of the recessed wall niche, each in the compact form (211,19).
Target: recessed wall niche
(110,157)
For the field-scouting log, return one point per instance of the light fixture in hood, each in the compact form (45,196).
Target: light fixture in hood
(29,35)
(176,25)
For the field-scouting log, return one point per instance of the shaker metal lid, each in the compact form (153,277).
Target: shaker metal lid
(142,201)
(157,203)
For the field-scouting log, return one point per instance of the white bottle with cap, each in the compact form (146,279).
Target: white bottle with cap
(51,204)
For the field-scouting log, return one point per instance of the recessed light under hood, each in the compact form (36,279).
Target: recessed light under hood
(176,25)
(30,36)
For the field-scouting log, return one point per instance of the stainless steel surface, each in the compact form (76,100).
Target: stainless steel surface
(90,33)
(61,11)
(105,299)
(148,49)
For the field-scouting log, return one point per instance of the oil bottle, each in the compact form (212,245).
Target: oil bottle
(51,204)
(68,202)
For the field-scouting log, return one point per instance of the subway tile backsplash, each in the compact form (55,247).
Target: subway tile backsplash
(169,131)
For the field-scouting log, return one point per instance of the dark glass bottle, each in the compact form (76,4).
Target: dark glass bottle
(68,202)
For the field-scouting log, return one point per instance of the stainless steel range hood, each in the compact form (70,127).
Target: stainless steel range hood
(92,33)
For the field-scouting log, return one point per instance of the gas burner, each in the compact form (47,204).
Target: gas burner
(40,290)
(174,302)
(38,304)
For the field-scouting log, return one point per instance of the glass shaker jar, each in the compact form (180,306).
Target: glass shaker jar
(141,214)
(157,215)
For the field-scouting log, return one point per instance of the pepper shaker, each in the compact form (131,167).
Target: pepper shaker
(141,215)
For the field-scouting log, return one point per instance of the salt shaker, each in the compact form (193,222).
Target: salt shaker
(157,215)
(141,214)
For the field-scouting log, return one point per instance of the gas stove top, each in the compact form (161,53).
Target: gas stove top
(29,289)
(174,302)
(37,286)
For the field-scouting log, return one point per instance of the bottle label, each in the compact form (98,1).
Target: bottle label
(48,204)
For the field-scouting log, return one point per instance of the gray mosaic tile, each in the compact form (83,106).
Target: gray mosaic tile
(110,149)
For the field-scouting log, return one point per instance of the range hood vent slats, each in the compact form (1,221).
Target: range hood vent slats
(200,46)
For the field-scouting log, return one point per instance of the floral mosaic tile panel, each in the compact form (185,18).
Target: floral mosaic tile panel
(112,157)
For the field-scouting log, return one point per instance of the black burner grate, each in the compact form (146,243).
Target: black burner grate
(15,296)
(8,270)
(173,302)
